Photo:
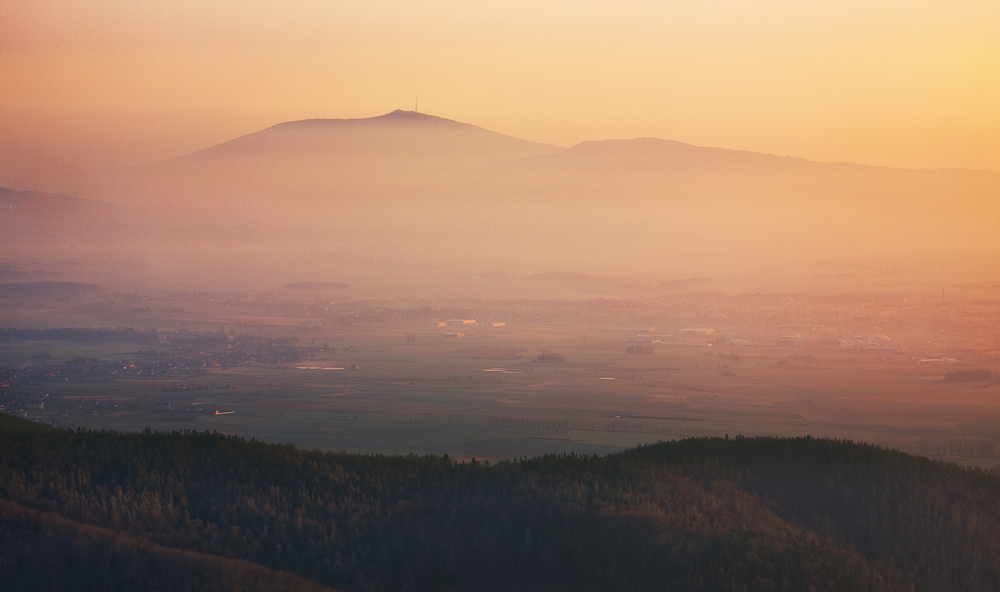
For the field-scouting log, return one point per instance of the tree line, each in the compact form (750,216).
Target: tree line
(698,514)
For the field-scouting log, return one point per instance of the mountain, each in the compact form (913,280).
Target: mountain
(422,190)
(404,160)
(658,153)
(660,165)
(35,204)
(769,206)
(42,217)
(332,161)
(399,135)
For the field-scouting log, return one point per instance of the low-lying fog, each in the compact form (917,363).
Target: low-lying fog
(407,205)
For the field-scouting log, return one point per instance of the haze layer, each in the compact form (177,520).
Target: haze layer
(301,200)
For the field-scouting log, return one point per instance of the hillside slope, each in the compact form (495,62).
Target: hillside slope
(42,217)
(42,551)
(754,514)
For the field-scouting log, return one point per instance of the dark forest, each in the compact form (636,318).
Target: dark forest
(698,514)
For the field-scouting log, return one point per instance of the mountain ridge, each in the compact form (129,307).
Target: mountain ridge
(695,514)
(9,198)
(379,127)
(403,117)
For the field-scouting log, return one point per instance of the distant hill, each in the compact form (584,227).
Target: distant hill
(676,173)
(314,287)
(658,153)
(12,200)
(396,135)
(52,204)
(343,197)
(58,290)
(33,215)
(760,208)
(405,166)
(80,335)
(333,161)
(46,220)
(700,514)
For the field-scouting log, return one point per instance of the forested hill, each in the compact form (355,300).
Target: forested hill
(42,552)
(702,514)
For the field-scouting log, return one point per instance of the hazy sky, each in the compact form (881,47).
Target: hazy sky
(912,83)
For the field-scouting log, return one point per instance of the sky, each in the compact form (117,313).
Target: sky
(104,83)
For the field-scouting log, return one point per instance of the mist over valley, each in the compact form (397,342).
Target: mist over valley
(408,353)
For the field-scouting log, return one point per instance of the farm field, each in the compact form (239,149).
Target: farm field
(406,385)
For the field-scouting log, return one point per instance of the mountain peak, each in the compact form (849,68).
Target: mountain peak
(404,114)
(396,136)
(399,117)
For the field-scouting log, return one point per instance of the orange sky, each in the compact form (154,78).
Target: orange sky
(106,82)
